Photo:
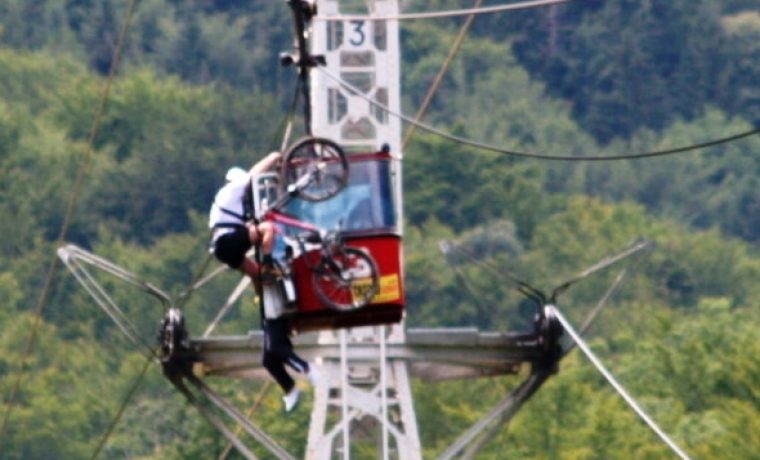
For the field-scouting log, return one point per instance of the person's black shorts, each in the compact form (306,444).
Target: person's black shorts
(231,247)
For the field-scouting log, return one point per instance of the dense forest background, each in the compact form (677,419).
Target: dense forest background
(200,88)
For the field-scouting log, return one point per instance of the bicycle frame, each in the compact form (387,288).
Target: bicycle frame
(343,278)
(381,240)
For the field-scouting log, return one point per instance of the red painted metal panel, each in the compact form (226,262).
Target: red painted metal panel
(378,236)
(386,307)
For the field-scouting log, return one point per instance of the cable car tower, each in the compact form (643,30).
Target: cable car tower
(367,357)
(365,387)
(366,362)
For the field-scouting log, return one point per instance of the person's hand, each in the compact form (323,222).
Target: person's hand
(274,158)
(265,164)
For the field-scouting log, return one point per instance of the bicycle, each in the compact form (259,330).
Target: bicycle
(344,278)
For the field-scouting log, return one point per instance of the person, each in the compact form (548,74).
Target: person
(234,233)
(278,351)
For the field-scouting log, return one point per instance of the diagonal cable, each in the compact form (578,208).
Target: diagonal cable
(214,420)
(72,253)
(539,156)
(445,14)
(202,282)
(231,299)
(196,282)
(256,403)
(523,287)
(286,124)
(611,291)
(617,386)
(71,208)
(503,411)
(441,72)
(602,264)
(122,407)
(256,432)
(110,307)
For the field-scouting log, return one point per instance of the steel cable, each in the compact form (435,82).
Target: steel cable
(497,149)
(70,210)
(122,407)
(453,51)
(445,14)
(615,384)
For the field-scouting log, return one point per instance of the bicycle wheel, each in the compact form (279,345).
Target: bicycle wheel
(315,169)
(347,281)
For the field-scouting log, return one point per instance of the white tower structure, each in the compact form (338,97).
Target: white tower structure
(364,54)
(363,392)
(363,400)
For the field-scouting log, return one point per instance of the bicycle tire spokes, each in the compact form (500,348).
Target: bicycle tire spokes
(347,281)
(318,168)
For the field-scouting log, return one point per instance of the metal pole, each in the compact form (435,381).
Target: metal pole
(384,391)
(344,392)
(304,59)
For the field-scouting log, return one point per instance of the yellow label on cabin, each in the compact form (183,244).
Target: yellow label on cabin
(389,288)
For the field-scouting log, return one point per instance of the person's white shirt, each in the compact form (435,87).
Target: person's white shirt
(229,198)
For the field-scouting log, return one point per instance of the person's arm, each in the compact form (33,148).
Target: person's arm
(265,163)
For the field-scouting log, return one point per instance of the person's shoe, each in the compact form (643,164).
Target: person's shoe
(291,399)
(270,274)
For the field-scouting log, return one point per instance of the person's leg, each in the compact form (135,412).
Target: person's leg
(274,354)
(291,358)
(266,231)
(265,234)
(251,269)
(231,248)
(283,347)
(273,364)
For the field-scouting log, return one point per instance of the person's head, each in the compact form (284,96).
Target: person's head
(235,173)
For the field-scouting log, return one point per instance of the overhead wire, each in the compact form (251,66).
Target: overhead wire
(182,299)
(256,403)
(285,126)
(284,129)
(453,51)
(493,148)
(521,286)
(616,385)
(122,407)
(70,210)
(445,14)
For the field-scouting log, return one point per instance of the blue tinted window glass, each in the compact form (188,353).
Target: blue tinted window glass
(366,203)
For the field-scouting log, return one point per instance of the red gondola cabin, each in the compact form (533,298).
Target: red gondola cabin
(366,211)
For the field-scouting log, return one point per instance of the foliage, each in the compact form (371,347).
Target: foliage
(200,91)
(661,61)
(715,187)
